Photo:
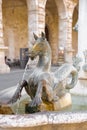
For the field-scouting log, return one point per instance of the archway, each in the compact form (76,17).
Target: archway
(47,32)
(74,31)
(15,25)
(51,22)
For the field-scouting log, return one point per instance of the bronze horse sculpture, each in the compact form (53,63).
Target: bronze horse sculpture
(44,85)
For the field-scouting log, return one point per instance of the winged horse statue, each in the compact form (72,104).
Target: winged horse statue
(43,84)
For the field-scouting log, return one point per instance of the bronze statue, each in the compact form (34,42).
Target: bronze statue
(44,85)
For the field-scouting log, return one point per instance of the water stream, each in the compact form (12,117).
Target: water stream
(18,103)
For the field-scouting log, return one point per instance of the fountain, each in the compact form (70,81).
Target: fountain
(47,93)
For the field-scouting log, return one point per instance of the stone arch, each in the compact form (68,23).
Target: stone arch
(51,20)
(44,2)
(60,6)
(14,26)
(55,40)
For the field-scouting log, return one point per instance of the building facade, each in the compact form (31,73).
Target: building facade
(20,18)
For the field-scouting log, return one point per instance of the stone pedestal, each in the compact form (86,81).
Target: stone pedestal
(63,102)
(3,67)
(60,104)
(5,110)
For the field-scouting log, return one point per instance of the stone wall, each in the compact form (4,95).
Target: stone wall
(15,23)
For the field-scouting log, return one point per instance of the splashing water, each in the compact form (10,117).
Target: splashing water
(14,98)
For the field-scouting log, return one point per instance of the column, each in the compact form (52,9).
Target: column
(70,5)
(82,28)
(3,67)
(36,19)
(32,6)
(41,18)
(32,25)
(68,46)
(65,36)
(62,38)
(62,30)
(36,23)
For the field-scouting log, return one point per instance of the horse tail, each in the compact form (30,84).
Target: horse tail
(67,71)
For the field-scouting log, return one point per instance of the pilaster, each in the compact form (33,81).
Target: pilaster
(3,67)
(69,5)
(36,22)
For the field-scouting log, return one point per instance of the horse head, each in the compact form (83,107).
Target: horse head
(40,47)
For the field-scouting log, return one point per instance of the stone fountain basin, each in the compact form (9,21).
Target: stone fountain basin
(59,120)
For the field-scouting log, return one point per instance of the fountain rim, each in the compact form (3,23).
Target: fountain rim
(42,118)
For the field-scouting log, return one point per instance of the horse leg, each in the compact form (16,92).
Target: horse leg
(18,91)
(37,99)
(49,90)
